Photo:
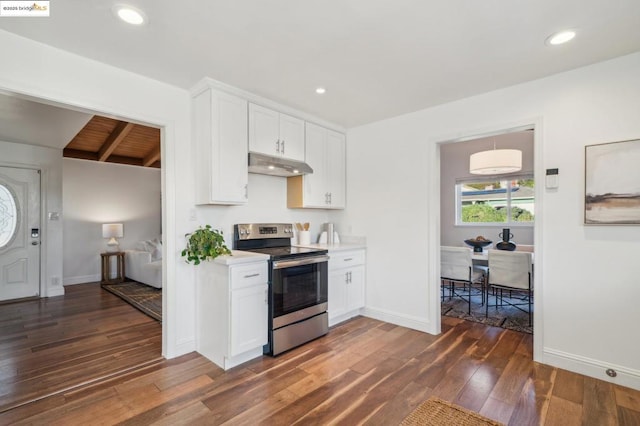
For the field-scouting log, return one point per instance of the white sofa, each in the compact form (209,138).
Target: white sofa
(144,264)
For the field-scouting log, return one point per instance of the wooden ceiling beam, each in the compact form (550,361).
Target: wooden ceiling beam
(119,159)
(120,132)
(77,153)
(124,160)
(152,157)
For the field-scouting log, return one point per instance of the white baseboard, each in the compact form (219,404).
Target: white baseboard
(416,323)
(182,347)
(342,318)
(82,279)
(55,291)
(591,367)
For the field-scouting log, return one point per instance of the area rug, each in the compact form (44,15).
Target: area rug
(143,297)
(505,316)
(436,412)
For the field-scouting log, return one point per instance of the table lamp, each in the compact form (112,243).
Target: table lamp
(112,231)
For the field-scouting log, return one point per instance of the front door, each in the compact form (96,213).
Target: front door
(19,233)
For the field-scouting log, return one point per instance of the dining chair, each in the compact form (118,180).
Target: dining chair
(456,267)
(513,271)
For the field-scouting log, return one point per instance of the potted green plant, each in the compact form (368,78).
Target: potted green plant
(204,244)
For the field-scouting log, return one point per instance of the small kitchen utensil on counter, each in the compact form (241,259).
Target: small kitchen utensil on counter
(304,238)
(328,227)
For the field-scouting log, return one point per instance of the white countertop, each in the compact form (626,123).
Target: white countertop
(334,247)
(239,256)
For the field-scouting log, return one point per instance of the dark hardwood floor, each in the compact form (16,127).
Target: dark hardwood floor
(363,372)
(53,344)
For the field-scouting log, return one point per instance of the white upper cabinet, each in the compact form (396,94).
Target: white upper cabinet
(276,134)
(220,142)
(325,187)
(314,185)
(336,169)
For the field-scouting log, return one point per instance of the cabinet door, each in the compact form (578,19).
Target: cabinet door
(220,135)
(337,293)
(264,130)
(335,169)
(229,150)
(315,187)
(355,288)
(248,319)
(291,137)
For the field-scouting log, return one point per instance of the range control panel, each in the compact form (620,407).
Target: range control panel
(252,231)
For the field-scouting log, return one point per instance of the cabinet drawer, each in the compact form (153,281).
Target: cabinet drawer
(248,275)
(345,259)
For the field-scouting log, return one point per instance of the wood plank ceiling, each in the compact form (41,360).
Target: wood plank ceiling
(115,141)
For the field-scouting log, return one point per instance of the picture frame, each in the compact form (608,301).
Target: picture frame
(612,183)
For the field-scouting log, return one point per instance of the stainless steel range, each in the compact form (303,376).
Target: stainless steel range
(298,284)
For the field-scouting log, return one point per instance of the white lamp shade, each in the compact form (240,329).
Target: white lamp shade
(495,162)
(112,230)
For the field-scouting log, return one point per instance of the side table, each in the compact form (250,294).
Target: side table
(106,263)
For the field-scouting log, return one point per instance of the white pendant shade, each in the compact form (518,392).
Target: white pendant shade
(495,162)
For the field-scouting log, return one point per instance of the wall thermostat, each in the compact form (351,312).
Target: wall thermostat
(552,179)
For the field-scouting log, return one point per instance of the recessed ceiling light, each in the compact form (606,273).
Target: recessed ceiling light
(129,14)
(321,90)
(561,37)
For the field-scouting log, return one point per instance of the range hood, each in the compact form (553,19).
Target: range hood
(276,166)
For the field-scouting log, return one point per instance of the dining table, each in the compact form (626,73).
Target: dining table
(483,258)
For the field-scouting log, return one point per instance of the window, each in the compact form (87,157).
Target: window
(8,216)
(501,202)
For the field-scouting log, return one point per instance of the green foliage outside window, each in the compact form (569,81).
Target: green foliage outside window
(482,213)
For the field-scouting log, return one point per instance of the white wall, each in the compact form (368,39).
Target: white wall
(95,193)
(454,160)
(586,287)
(43,72)
(49,162)
(267,204)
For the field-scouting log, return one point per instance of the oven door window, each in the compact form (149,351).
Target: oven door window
(299,287)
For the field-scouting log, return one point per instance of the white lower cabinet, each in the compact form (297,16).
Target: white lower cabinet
(346,284)
(232,316)
(248,319)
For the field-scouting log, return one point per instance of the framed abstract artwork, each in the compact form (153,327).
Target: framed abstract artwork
(612,183)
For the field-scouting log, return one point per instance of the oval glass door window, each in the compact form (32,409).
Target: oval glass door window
(8,216)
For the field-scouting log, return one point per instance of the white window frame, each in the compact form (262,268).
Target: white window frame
(509,223)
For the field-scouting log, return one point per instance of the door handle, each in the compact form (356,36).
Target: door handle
(278,146)
(282,147)
(34,243)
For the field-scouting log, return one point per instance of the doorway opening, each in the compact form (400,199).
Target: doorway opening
(76,333)
(479,213)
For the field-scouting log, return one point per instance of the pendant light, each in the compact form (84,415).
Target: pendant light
(495,161)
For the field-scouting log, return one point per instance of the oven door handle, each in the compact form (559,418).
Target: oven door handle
(299,262)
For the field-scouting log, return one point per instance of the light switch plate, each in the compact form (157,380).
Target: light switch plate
(552,179)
